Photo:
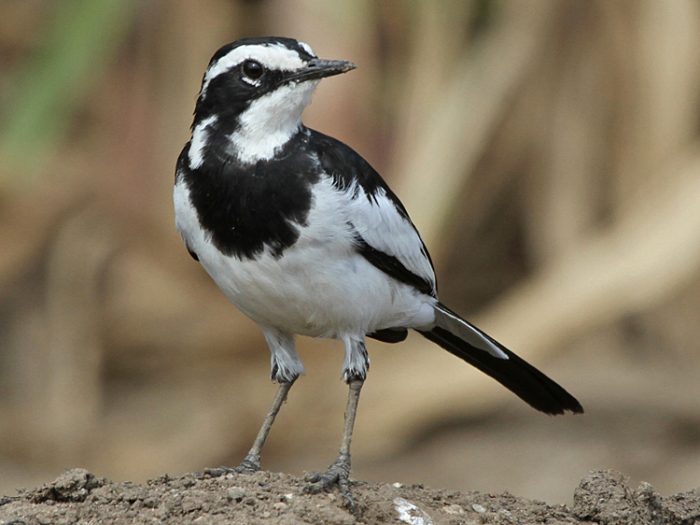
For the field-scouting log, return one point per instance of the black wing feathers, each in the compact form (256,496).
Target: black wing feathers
(393,267)
(346,168)
(390,335)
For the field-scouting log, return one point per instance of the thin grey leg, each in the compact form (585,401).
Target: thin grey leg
(339,472)
(252,459)
(355,387)
(251,463)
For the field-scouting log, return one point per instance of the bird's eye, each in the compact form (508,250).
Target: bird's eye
(253,69)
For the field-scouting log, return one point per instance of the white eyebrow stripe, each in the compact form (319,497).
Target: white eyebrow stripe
(272,56)
(306,47)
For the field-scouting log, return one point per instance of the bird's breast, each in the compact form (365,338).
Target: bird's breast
(315,285)
(246,210)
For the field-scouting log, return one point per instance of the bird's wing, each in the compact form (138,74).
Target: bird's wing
(385,235)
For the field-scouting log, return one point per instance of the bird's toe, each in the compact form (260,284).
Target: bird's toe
(247,466)
(337,475)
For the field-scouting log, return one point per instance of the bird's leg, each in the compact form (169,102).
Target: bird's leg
(251,462)
(338,474)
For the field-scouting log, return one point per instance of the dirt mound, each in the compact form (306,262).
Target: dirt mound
(604,497)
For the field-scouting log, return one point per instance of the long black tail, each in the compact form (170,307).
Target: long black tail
(467,342)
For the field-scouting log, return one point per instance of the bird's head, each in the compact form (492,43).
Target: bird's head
(255,90)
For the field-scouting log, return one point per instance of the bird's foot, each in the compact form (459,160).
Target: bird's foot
(247,466)
(337,475)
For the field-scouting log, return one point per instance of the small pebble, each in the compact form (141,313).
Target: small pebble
(397,485)
(453,509)
(478,508)
(235,494)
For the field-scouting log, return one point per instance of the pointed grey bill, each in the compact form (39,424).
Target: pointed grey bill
(318,68)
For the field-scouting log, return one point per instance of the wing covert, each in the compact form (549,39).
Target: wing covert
(385,235)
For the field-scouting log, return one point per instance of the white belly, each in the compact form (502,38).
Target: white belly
(318,287)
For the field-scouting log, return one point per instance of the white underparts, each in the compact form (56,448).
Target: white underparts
(199,142)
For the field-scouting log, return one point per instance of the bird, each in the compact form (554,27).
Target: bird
(305,238)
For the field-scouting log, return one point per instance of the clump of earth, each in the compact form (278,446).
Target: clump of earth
(77,496)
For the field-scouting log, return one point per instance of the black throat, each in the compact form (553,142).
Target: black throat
(248,208)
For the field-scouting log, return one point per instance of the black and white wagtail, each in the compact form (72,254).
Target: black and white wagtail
(304,237)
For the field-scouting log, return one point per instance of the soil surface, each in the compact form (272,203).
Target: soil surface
(77,496)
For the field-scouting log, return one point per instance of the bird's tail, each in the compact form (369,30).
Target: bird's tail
(466,341)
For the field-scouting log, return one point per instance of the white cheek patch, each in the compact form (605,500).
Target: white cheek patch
(272,56)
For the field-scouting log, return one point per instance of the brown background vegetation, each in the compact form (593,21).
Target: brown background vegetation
(548,151)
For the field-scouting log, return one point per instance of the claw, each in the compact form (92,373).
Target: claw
(247,466)
(337,475)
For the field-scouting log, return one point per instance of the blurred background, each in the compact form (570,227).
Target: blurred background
(548,151)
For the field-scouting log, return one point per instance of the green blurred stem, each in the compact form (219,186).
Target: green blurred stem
(80,41)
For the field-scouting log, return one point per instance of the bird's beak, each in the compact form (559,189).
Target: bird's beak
(318,68)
